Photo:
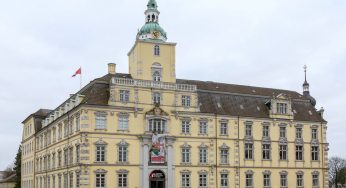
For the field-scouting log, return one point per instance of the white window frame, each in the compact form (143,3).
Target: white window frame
(223,128)
(157,98)
(186,100)
(185,127)
(283,152)
(100,153)
(100,120)
(124,95)
(249,151)
(203,127)
(123,123)
(299,152)
(266,151)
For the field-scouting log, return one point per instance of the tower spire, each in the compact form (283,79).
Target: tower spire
(306,85)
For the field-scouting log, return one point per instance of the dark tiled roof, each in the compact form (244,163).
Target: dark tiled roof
(232,88)
(248,101)
(216,98)
(11,178)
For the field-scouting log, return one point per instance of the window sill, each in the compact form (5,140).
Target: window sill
(123,130)
(186,164)
(100,162)
(266,159)
(203,164)
(186,134)
(100,129)
(224,164)
(202,134)
(122,163)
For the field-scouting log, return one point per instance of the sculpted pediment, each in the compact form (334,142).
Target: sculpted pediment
(157,111)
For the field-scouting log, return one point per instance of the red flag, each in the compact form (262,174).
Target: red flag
(79,71)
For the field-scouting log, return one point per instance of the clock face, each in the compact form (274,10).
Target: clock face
(156,34)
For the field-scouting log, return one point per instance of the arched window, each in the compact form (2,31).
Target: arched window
(156,50)
(157,76)
(153,18)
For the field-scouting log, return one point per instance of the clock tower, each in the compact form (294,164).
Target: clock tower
(152,57)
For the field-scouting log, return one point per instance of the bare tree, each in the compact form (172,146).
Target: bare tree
(8,171)
(337,168)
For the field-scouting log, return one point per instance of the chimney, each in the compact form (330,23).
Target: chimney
(111,68)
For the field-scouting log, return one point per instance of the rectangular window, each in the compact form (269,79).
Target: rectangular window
(185,180)
(185,127)
(71,156)
(203,155)
(265,131)
(282,132)
(100,121)
(65,180)
(314,153)
(203,180)
(156,98)
(71,180)
(298,132)
(48,182)
(248,151)
(283,181)
(100,153)
(315,182)
(53,181)
(185,155)
(266,180)
(266,151)
(224,180)
(122,155)
(77,123)
(59,159)
(124,96)
(299,153)
(123,123)
(203,127)
(281,108)
(283,152)
(314,133)
(77,153)
(66,130)
(100,181)
(157,125)
(122,180)
(60,132)
(249,180)
(77,180)
(223,128)
(59,181)
(186,101)
(65,157)
(224,156)
(248,130)
(299,180)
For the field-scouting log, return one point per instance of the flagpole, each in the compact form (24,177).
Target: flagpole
(80,79)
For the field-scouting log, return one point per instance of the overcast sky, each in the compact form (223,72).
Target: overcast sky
(260,43)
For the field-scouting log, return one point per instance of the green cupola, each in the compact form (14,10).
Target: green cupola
(151,30)
(152,4)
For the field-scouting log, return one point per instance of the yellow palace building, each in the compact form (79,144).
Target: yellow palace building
(148,129)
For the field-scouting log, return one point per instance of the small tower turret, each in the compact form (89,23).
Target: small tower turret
(151,29)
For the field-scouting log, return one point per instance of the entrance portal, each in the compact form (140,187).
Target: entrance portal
(157,179)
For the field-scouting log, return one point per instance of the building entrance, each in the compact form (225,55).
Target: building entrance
(157,179)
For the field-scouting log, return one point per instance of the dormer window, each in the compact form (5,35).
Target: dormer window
(281,108)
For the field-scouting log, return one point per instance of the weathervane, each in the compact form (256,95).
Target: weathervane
(305,68)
